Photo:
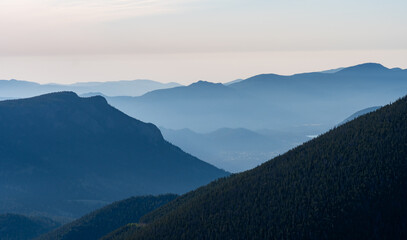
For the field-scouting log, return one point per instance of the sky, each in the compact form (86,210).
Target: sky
(65,41)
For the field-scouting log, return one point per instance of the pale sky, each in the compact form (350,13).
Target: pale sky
(66,41)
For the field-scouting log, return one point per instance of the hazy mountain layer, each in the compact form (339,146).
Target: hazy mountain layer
(22,89)
(236,150)
(239,149)
(270,101)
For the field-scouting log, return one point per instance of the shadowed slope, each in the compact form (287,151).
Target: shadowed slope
(19,227)
(346,184)
(65,155)
(102,221)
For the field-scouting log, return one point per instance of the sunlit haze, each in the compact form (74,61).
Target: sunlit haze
(65,41)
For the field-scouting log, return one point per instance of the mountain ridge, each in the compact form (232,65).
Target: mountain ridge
(84,153)
(23,89)
(270,101)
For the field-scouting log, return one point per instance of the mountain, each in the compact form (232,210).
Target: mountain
(121,88)
(15,89)
(22,89)
(234,81)
(360,113)
(102,221)
(367,68)
(194,105)
(19,227)
(269,101)
(346,184)
(92,94)
(201,90)
(235,149)
(299,105)
(332,70)
(62,155)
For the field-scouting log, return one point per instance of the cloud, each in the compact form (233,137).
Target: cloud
(45,27)
(84,26)
(87,10)
(109,9)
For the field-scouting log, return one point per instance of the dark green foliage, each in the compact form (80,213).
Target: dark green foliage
(101,222)
(63,155)
(19,227)
(123,232)
(349,183)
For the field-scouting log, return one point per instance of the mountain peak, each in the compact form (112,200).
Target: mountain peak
(69,96)
(62,95)
(202,83)
(365,67)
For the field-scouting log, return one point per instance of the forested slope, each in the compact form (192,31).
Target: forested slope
(101,222)
(19,227)
(349,183)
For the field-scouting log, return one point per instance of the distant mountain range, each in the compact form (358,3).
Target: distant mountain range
(300,105)
(349,183)
(266,101)
(23,89)
(62,155)
(269,101)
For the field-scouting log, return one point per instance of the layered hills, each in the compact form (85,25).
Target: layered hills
(270,101)
(23,89)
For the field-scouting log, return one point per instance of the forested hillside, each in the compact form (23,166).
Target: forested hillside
(101,222)
(349,183)
(19,227)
